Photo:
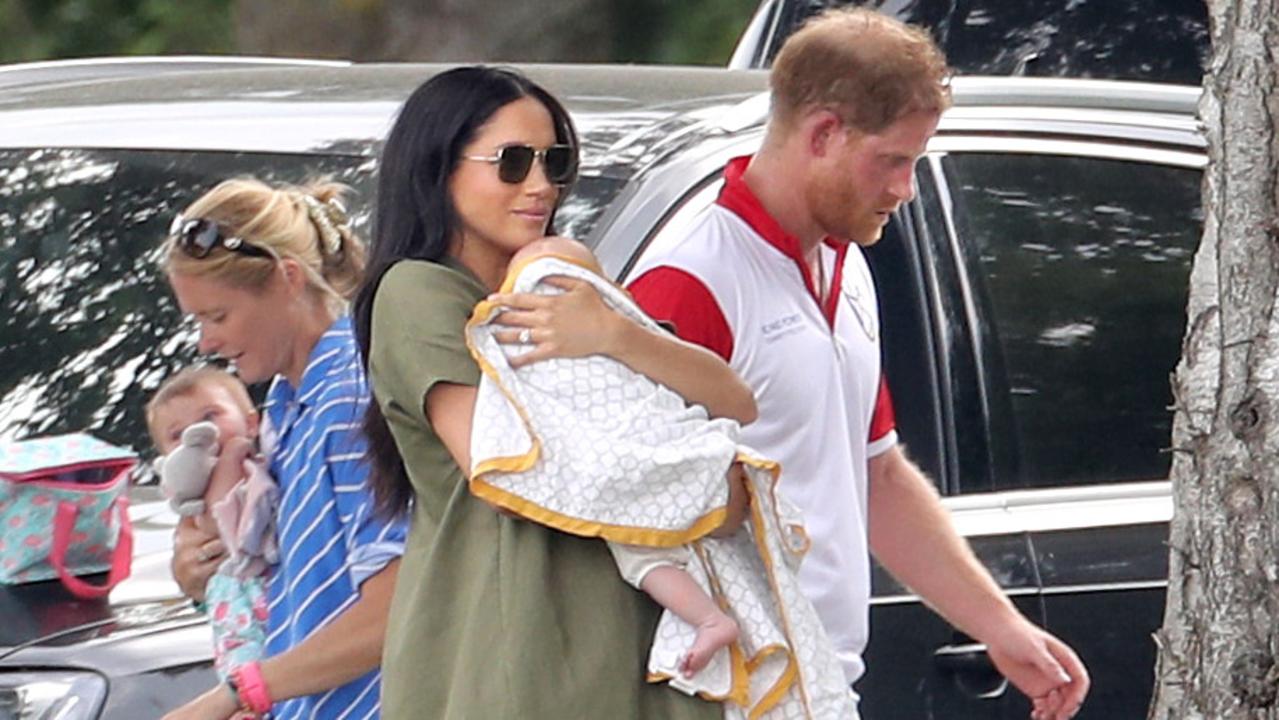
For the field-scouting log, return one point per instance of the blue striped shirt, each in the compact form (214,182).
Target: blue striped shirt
(330,542)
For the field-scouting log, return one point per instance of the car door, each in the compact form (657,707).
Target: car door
(917,664)
(1078,256)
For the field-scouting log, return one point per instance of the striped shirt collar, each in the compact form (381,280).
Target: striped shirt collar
(331,354)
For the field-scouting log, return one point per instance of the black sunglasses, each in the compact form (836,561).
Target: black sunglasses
(515,161)
(198,237)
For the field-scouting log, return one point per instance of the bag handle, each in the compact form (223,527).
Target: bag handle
(121,559)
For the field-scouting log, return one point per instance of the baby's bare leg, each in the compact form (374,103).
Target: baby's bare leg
(738,502)
(675,590)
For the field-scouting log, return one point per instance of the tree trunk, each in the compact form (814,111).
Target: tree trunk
(1219,646)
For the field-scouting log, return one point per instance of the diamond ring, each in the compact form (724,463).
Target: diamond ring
(526,336)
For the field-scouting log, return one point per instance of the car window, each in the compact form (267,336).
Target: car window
(1145,40)
(1082,266)
(89,327)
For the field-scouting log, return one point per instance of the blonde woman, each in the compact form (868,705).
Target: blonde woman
(265,272)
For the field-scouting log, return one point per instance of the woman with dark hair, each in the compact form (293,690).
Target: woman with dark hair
(493,616)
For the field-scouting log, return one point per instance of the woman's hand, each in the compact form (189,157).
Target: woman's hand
(197,552)
(215,704)
(578,323)
(573,324)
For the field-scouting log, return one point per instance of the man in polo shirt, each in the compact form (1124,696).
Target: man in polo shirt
(767,279)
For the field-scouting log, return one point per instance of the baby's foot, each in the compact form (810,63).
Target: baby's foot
(715,633)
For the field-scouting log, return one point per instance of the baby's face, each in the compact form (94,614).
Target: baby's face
(206,402)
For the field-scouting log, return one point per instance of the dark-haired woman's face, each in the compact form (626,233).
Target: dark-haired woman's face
(496,218)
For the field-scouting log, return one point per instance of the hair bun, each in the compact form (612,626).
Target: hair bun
(328,216)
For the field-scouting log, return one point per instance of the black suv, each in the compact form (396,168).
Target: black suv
(1146,40)
(1032,300)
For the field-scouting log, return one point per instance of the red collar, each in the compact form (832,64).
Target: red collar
(737,197)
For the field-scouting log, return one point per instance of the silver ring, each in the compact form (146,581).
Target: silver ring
(202,555)
(526,336)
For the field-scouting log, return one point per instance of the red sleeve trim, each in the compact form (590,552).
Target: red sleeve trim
(672,295)
(883,421)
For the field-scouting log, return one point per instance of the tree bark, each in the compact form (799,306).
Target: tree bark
(1219,646)
(427,30)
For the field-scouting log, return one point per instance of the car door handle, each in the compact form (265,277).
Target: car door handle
(972,668)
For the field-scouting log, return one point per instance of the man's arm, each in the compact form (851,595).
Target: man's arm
(912,536)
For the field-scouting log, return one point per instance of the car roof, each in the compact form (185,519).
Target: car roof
(631,112)
(1153,114)
(88,70)
(1150,114)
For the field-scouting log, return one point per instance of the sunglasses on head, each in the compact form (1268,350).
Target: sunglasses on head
(515,161)
(198,237)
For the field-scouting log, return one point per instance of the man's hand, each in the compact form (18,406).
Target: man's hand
(1042,667)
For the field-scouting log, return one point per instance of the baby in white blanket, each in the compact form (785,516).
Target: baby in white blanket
(589,446)
(658,571)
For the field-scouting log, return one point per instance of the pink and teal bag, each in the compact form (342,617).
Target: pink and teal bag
(64,512)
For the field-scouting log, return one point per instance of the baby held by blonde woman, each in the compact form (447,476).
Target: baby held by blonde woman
(239,499)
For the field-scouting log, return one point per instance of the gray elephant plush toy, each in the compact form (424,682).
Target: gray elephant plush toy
(185,471)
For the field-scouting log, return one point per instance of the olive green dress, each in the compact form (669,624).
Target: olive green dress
(493,617)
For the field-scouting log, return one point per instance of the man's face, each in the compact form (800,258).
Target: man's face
(865,177)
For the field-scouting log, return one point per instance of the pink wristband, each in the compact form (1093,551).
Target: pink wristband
(251,688)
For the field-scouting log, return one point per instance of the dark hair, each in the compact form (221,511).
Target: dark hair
(415,216)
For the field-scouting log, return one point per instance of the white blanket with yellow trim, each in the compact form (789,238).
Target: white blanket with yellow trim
(590,447)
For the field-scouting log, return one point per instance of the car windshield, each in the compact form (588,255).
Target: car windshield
(1145,40)
(89,327)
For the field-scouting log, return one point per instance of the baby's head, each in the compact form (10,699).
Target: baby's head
(556,245)
(196,394)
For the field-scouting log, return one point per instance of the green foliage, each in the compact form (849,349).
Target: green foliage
(649,31)
(43,29)
(686,32)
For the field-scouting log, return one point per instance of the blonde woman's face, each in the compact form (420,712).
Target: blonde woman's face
(498,217)
(251,328)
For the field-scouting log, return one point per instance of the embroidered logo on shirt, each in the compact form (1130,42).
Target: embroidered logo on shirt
(860,302)
(774,330)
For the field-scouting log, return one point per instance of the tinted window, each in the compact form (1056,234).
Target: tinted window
(1148,40)
(1083,265)
(88,326)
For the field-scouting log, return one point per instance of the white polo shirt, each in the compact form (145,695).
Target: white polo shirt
(737,285)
